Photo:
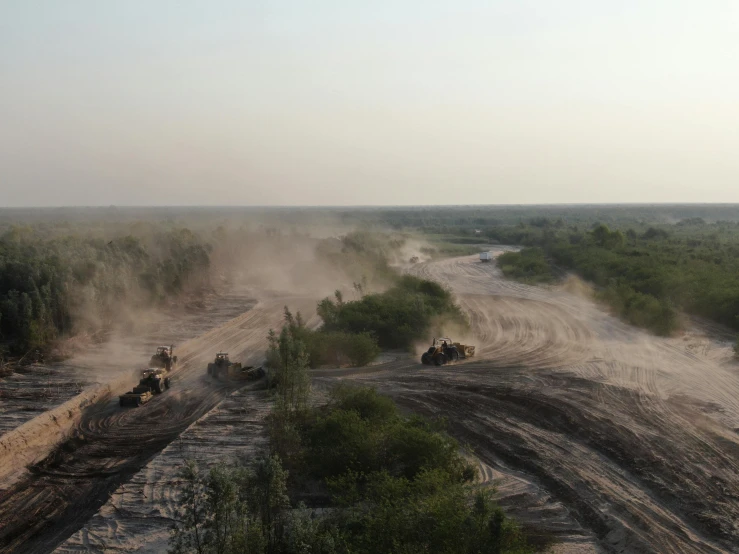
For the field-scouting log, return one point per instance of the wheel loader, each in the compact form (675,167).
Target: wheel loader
(443,351)
(164,358)
(153,381)
(224,368)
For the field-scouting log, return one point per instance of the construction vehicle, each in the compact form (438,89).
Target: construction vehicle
(164,358)
(153,381)
(443,351)
(223,365)
(224,368)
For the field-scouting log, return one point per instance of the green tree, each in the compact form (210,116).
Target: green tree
(189,534)
(288,361)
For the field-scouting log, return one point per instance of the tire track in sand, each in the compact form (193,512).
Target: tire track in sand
(110,445)
(635,436)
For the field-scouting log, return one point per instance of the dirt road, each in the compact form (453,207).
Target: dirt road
(636,437)
(600,436)
(35,389)
(110,445)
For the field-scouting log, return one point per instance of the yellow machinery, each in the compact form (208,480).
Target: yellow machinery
(224,368)
(443,351)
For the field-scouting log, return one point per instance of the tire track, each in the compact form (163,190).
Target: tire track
(625,442)
(110,445)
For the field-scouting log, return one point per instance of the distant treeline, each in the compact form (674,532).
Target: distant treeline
(53,286)
(438,219)
(646,274)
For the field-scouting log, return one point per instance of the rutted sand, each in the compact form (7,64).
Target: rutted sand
(110,445)
(597,435)
(618,440)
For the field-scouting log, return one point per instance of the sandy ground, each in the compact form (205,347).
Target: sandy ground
(110,445)
(36,389)
(625,442)
(598,436)
(141,512)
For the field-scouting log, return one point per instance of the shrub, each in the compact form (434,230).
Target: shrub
(366,401)
(397,317)
(394,485)
(529,265)
(337,348)
(342,441)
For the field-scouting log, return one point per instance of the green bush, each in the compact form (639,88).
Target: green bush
(342,441)
(337,347)
(386,484)
(642,310)
(397,317)
(529,265)
(400,483)
(363,432)
(365,401)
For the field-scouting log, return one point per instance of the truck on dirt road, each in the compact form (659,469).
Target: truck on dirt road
(164,358)
(443,351)
(153,381)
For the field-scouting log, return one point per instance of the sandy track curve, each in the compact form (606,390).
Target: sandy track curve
(636,437)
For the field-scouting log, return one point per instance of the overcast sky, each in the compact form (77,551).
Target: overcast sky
(153,102)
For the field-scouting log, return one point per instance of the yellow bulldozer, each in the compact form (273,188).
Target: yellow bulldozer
(443,351)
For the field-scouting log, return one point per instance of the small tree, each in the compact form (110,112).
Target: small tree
(188,536)
(288,360)
(267,498)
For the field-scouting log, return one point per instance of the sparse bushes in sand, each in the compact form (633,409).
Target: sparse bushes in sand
(358,477)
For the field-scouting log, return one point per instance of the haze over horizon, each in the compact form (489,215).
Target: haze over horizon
(386,103)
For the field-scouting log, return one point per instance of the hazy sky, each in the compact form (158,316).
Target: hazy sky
(383,102)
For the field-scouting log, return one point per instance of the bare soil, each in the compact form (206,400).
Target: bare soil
(110,445)
(37,388)
(598,436)
(632,441)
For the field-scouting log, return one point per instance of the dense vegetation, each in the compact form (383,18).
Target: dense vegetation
(397,317)
(354,331)
(60,279)
(352,476)
(647,276)
(649,263)
(56,285)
